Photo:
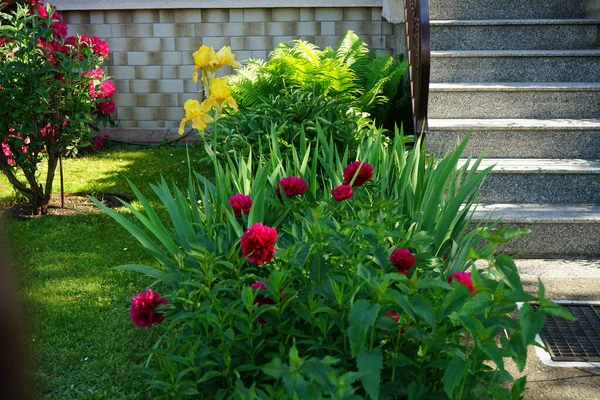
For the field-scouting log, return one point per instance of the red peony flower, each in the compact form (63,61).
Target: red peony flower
(240,203)
(107,107)
(258,243)
(143,306)
(292,185)
(99,46)
(403,259)
(394,316)
(464,278)
(342,192)
(260,299)
(362,170)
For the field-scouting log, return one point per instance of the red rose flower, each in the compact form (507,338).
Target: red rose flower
(342,192)
(360,171)
(464,278)
(107,107)
(258,243)
(240,203)
(143,306)
(292,185)
(59,28)
(106,89)
(403,259)
(99,46)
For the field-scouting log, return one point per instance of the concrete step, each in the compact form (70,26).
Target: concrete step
(577,100)
(515,66)
(557,230)
(514,180)
(517,138)
(564,268)
(514,34)
(508,9)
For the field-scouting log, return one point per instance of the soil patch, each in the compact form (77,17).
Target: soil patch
(75,203)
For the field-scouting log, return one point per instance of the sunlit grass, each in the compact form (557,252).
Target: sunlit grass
(82,343)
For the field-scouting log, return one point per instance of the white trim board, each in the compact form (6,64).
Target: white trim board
(161,4)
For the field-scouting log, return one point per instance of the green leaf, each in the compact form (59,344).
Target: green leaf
(361,318)
(454,300)
(506,266)
(148,271)
(531,323)
(424,310)
(455,373)
(369,364)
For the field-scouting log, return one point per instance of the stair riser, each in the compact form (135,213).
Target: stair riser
(555,240)
(519,144)
(502,187)
(514,104)
(508,9)
(513,37)
(515,69)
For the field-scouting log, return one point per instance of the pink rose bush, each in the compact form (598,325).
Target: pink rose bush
(67,93)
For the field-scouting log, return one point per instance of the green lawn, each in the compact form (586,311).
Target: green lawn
(82,342)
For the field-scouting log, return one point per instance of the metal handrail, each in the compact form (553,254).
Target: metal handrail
(417,43)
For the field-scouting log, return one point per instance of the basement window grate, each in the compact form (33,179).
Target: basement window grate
(577,340)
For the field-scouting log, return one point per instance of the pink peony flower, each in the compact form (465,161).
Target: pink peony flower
(342,192)
(258,243)
(41,9)
(403,259)
(292,185)
(362,170)
(464,278)
(143,306)
(240,203)
(107,107)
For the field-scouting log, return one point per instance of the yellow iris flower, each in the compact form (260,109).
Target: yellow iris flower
(205,57)
(220,93)
(226,57)
(196,114)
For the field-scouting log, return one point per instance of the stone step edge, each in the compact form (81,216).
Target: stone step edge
(516,87)
(514,53)
(512,22)
(538,213)
(498,124)
(537,165)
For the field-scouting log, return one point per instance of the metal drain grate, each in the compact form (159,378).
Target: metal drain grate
(574,341)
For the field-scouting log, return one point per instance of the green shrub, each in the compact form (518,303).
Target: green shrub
(355,303)
(369,83)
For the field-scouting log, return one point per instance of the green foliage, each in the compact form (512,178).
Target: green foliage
(341,84)
(321,323)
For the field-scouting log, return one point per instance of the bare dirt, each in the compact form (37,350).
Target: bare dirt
(74,203)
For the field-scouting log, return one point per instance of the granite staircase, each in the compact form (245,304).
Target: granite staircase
(523,77)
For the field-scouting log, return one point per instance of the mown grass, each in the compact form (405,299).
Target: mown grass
(82,344)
